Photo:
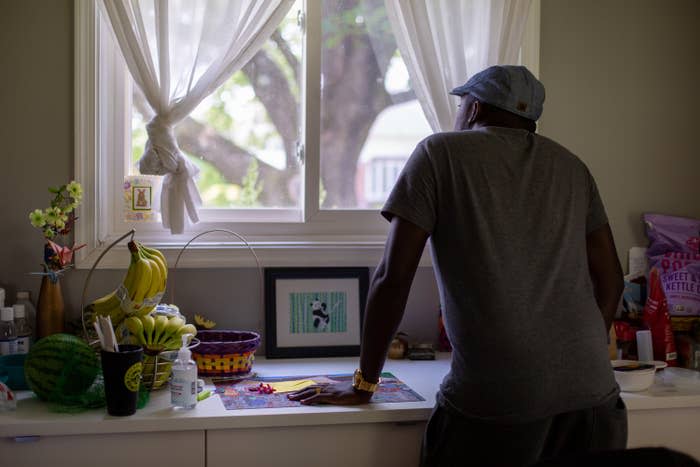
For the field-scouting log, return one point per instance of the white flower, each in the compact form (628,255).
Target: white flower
(52,215)
(36,217)
(75,190)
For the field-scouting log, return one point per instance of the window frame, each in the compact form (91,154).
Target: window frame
(287,237)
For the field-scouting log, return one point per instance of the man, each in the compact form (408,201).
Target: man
(529,282)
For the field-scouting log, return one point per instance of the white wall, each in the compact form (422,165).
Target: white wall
(622,81)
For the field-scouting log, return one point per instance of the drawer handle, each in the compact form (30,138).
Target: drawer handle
(27,439)
(406,423)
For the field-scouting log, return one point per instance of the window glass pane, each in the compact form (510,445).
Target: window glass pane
(243,136)
(370,118)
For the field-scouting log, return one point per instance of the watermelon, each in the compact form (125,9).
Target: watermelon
(60,366)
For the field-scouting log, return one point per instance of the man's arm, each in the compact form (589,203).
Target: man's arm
(388,293)
(605,271)
(386,301)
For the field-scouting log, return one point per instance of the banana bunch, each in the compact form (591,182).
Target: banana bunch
(160,332)
(141,289)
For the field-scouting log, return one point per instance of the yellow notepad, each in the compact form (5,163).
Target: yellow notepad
(289,386)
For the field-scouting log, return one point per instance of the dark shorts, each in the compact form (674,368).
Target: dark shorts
(451,439)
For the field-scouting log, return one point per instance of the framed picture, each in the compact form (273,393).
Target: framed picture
(142,198)
(314,312)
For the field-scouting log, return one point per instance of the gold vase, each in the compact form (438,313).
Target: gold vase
(50,312)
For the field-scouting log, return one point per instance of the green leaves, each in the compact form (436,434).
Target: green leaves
(251,189)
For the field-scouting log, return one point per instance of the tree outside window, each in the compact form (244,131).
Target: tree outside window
(245,135)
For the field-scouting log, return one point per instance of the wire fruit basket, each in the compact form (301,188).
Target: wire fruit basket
(224,353)
(157,365)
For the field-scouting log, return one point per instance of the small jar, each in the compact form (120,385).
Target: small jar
(398,347)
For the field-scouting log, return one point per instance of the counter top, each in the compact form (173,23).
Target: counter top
(33,418)
(674,388)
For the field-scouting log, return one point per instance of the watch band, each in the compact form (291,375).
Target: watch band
(359,382)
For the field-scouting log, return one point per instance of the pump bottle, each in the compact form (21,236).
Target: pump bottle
(183,386)
(8,335)
(22,328)
(24,297)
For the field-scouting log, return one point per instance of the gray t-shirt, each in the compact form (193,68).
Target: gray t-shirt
(508,212)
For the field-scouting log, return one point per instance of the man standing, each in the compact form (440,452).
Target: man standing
(529,282)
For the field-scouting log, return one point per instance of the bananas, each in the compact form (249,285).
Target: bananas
(158,333)
(160,322)
(140,290)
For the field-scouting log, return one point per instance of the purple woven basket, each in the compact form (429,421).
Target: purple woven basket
(223,341)
(225,352)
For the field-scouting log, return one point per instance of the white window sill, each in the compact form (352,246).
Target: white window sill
(270,254)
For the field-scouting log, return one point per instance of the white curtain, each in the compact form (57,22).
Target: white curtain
(443,42)
(178,52)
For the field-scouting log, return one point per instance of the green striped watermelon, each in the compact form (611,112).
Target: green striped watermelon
(60,366)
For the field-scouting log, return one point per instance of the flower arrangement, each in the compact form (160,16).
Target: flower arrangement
(57,221)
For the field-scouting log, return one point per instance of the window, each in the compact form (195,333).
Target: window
(244,136)
(297,150)
(367,106)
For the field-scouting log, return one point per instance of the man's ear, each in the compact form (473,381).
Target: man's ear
(473,111)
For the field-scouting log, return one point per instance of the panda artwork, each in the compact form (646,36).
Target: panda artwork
(321,316)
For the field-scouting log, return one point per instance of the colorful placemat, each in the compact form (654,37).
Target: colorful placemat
(236,394)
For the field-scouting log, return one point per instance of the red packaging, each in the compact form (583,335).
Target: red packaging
(444,344)
(657,318)
(626,339)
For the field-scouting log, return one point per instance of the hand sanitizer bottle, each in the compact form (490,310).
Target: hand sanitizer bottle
(183,386)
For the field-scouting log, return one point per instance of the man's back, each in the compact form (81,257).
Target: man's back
(508,212)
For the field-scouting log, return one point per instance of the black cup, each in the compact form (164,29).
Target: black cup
(122,373)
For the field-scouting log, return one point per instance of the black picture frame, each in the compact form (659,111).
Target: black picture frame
(314,312)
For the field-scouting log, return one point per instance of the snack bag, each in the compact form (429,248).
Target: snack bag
(674,251)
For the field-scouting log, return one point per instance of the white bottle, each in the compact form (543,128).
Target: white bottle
(183,385)
(22,328)
(24,297)
(2,297)
(8,336)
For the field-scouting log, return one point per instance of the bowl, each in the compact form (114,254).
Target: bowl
(632,375)
(12,371)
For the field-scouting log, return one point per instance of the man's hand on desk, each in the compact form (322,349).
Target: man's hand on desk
(335,394)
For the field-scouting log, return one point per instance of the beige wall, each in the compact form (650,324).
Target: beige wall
(36,125)
(622,83)
(622,90)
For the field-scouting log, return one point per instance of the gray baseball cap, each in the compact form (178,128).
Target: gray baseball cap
(508,87)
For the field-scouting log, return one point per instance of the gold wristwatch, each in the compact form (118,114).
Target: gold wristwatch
(358,382)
